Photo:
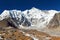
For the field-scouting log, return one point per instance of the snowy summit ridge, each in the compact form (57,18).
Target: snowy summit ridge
(33,17)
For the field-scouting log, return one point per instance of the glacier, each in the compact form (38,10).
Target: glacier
(32,18)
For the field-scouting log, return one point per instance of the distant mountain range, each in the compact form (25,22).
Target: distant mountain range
(34,18)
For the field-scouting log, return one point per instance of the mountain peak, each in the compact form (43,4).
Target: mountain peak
(34,9)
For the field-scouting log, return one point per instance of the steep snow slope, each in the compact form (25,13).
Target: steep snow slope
(4,14)
(34,17)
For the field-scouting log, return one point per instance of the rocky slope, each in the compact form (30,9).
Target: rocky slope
(8,32)
(55,22)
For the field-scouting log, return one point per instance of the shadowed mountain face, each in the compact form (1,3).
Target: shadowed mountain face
(3,23)
(6,23)
(55,22)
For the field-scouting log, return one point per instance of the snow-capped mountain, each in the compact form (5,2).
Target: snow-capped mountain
(34,17)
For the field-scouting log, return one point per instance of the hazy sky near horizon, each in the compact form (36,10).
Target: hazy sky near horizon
(28,4)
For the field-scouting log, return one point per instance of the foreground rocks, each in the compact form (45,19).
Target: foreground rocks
(10,33)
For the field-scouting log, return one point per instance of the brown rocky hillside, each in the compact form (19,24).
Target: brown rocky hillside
(10,33)
(55,22)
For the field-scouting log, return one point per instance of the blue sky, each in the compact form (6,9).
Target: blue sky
(28,4)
